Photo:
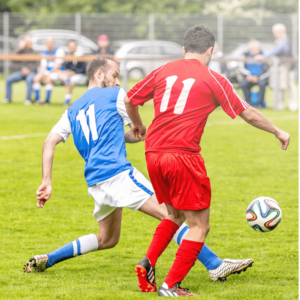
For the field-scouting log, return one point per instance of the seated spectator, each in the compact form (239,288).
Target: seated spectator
(27,71)
(286,73)
(48,72)
(74,72)
(103,43)
(256,73)
(216,65)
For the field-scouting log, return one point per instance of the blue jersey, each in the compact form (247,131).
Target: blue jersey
(50,63)
(96,122)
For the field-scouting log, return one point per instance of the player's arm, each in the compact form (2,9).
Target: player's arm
(234,106)
(59,133)
(255,118)
(131,138)
(137,127)
(142,92)
(45,190)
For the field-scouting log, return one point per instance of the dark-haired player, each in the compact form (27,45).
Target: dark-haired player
(185,92)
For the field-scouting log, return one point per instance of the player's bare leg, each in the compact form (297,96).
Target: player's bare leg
(109,235)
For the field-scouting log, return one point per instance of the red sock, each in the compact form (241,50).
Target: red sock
(186,256)
(162,237)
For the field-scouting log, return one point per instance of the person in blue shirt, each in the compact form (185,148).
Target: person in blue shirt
(96,122)
(48,72)
(255,73)
(286,73)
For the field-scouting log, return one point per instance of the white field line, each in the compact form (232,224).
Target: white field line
(22,136)
(30,135)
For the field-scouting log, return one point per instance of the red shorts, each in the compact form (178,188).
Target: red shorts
(179,179)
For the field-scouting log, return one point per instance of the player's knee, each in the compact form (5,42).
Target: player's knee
(112,243)
(207,230)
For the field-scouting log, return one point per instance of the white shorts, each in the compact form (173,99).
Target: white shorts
(78,79)
(128,189)
(53,76)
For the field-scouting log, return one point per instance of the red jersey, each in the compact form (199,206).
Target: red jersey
(185,92)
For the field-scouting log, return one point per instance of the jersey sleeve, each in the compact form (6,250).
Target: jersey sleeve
(226,95)
(143,91)
(121,107)
(63,126)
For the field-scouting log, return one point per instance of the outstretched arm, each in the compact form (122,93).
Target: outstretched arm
(255,118)
(45,190)
(138,127)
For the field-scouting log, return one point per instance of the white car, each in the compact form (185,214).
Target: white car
(138,55)
(61,38)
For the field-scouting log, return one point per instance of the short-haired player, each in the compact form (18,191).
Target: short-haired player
(185,93)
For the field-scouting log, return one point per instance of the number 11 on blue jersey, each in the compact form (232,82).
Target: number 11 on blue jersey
(81,117)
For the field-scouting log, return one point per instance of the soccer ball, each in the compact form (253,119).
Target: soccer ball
(263,214)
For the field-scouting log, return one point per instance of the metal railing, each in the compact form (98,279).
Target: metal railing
(275,62)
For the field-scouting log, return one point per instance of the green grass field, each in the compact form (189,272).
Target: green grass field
(242,163)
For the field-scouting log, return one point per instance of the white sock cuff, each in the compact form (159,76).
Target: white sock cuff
(68,96)
(36,86)
(179,235)
(88,243)
(48,87)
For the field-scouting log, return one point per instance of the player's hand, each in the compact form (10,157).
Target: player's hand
(139,131)
(43,194)
(284,139)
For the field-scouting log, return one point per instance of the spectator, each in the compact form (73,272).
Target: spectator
(48,72)
(256,73)
(286,76)
(216,65)
(28,71)
(103,43)
(74,73)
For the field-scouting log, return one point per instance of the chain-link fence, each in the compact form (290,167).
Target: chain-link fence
(171,27)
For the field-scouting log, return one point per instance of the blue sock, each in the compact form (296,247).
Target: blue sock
(61,254)
(48,88)
(208,258)
(37,87)
(80,246)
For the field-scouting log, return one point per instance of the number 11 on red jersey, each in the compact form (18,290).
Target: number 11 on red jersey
(180,104)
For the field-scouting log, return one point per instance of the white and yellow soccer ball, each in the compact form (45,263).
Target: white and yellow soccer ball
(263,214)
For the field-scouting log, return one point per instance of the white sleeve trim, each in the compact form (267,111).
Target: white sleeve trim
(157,70)
(121,107)
(63,126)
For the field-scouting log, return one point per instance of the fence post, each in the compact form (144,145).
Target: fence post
(220,32)
(294,35)
(151,27)
(275,68)
(6,41)
(125,74)
(78,23)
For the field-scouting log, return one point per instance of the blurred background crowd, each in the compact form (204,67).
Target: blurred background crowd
(252,54)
